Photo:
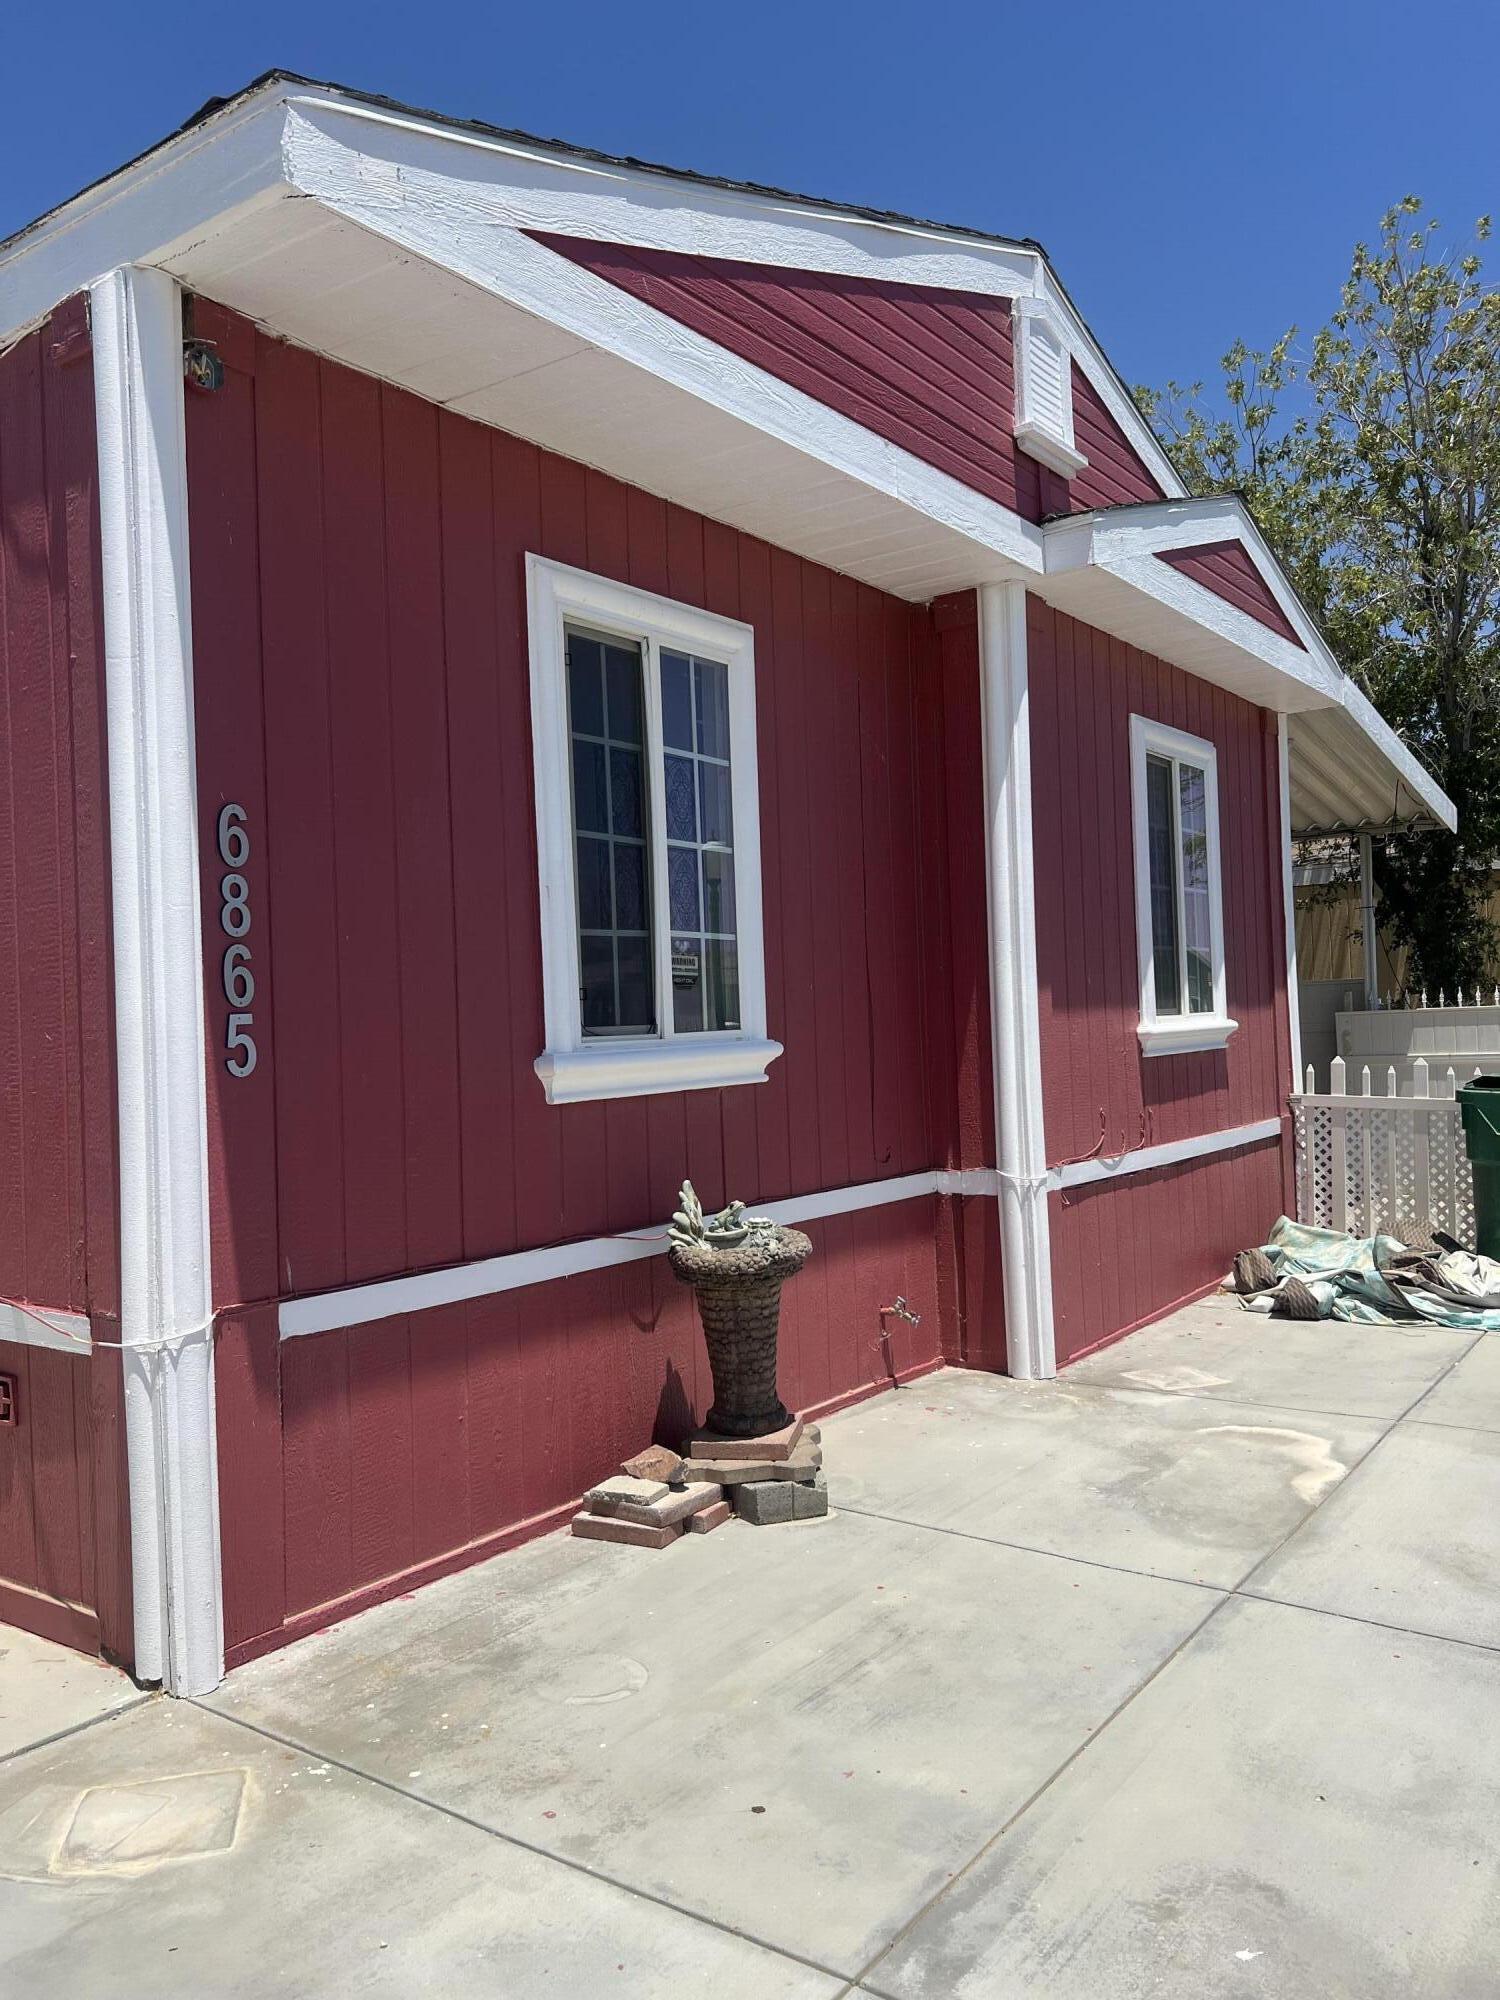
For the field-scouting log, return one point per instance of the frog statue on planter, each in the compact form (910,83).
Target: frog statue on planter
(736,1264)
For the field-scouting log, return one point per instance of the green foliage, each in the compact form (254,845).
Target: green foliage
(1371,459)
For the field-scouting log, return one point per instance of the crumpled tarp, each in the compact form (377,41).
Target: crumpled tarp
(1377,1278)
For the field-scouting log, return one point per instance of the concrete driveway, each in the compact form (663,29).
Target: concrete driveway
(1178,1677)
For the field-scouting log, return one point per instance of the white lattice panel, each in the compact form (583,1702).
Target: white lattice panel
(1373,1164)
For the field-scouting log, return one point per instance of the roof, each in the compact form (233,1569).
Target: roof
(514,135)
(400,242)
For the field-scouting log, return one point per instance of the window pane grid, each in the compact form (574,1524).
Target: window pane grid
(700,844)
(1178,860)
(605,701)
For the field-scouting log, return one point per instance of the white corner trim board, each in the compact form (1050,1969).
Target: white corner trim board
(1171,1153)
(356,1305)
(165,1304)
(1020,1137)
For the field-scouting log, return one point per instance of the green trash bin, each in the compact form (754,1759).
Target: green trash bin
(1479,1102)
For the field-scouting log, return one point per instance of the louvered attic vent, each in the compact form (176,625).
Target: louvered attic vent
(1044,390)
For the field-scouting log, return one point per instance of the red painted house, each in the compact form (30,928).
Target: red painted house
(528,677)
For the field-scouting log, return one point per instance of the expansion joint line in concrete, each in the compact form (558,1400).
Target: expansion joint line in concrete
(516,1840)
(1225,1595)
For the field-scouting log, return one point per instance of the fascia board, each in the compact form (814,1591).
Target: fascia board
(192,186)
(614,203)
(1189,523)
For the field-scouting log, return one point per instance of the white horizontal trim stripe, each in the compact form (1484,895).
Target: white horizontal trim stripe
(68,1332)
(422,1290)
(1079,1172)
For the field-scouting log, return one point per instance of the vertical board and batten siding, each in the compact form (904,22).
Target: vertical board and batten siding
(928,369)
(951,747)
(64,1557)
(1227,570)
(1097,1085)
(361,661)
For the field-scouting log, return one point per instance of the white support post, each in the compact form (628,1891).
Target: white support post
(1367,921)
(1288,899)
(165,1316)
(1021,1147)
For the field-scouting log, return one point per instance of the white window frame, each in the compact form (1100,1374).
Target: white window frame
(1177,1034)
(574,1067)
(1037,435)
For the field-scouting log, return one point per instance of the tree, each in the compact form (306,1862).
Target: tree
(1372,462)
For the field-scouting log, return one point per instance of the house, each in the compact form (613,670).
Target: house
(530,677)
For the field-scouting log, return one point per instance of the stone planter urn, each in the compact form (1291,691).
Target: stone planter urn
(736,1265)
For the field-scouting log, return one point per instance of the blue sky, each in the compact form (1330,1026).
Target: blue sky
(1197,171)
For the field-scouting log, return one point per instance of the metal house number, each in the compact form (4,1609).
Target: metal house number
(234,921)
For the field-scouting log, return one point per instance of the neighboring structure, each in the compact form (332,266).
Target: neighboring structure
(597,676)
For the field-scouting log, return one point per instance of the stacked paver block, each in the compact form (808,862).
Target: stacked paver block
(774,1478)
(649,1512)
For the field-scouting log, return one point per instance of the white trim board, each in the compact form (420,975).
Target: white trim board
(1010,887)
(1080,1173)
(165,1304)
(387,1298)
(46,1326)
(420,1291)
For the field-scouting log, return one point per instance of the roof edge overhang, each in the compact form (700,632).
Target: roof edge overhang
(609,197)
(403,248)
(398,242)
(1351,771)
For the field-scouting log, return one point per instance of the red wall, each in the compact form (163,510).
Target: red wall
(359,647)
(931,370)
(1084,688)
(413,1446)
(63,1559)
(1124,1253)
(951,771)
(1225,568)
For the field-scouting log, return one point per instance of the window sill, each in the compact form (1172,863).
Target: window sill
(1185,1037)
(1050,449)
(646,1068)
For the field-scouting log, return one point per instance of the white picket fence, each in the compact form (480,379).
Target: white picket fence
(1367,1163)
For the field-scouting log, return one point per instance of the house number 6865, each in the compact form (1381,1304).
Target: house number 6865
(234,921)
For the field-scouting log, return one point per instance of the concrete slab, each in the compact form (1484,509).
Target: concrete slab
(797,1734)
(1214,1348)
(1295,1807)
(1470,1396)
(1171,1484)
(45,1689)
(1413,1540)
(326,1885)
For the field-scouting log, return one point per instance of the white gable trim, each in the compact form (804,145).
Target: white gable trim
(193,181)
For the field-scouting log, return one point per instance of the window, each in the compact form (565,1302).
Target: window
(1044,389)
(643,734)
(1178,898)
